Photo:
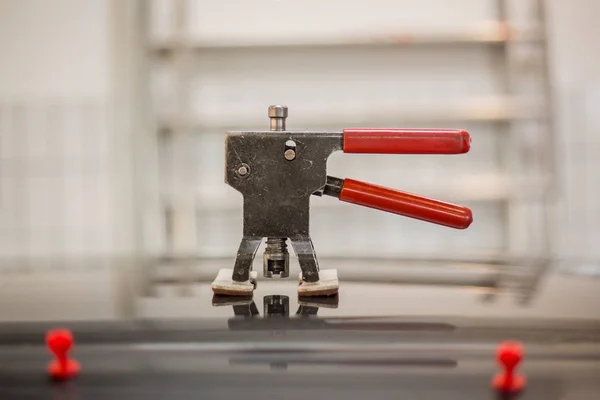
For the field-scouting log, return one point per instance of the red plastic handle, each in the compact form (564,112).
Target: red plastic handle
(406,141)
(402,203)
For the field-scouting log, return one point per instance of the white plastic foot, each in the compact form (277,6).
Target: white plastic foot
(327,285)
(223,284)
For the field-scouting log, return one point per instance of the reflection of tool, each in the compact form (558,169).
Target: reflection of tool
(276,306)
(276,309)
(277,171)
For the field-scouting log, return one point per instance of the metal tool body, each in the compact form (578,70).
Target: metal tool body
(278,170)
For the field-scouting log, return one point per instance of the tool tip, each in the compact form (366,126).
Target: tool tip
(466,141)
(278,111)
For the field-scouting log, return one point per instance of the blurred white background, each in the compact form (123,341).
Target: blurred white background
(112,116)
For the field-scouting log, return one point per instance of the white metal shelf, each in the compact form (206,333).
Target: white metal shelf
(464,260)
(490,109)
(470,188)
(497,50)
(492,32)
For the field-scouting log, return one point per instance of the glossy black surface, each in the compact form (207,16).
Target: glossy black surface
(173,339)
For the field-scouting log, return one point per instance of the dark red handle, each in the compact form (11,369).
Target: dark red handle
(409,205)
(406,141)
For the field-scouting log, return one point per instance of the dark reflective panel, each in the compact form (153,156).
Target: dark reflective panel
(395,330)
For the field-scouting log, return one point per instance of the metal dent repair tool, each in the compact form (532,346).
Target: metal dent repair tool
(277,171)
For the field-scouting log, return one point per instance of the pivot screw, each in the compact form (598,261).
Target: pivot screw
(243,170)
(289,155)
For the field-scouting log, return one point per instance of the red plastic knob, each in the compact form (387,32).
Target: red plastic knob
(60,343)
(509,356)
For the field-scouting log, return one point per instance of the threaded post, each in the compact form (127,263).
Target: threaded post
(276,258)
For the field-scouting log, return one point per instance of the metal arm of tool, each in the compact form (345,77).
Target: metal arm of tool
(398,202)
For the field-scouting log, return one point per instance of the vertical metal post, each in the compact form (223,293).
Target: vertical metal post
(504,138)
(184,228)
(549,166)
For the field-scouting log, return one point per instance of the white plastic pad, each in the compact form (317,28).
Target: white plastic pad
(223,284)
(327,285)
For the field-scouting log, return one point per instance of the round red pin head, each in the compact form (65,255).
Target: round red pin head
(60,343)
(509,355)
